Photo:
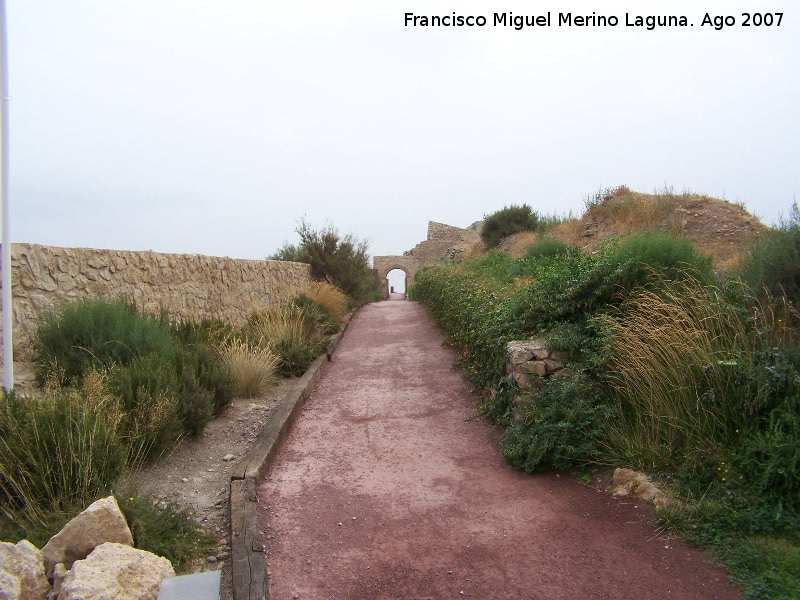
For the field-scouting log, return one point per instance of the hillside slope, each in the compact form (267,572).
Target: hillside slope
(718,228)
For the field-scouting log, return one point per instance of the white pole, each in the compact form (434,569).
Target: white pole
(8,323)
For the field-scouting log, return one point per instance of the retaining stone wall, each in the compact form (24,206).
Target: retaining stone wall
(187,286)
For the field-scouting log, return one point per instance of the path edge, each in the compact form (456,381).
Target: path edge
(248,564)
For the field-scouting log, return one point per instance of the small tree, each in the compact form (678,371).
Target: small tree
(340,260)
(507,221)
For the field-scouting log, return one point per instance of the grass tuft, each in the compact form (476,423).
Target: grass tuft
(253,366)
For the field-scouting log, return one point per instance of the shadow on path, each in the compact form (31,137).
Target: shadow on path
(388,489)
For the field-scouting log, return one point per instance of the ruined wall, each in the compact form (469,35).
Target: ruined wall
(444,243)
(441,232)
(187,286)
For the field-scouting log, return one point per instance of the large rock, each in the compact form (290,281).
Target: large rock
(23,562)
(118,572)
(10,586)
(102,522)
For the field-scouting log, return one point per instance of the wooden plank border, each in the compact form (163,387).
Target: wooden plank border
(248,564)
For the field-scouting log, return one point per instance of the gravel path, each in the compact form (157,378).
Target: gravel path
(387,488)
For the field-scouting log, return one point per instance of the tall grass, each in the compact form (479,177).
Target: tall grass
(58,451)
(673,368)
(253,366)
(286,331)
(330,297)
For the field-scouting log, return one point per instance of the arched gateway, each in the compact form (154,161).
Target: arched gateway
(444,243)
(383,264)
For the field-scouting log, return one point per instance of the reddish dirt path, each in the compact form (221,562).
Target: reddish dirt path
(387,489)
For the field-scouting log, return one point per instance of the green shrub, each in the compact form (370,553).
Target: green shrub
(557,427)
(200,368)
(171,531)
(94,333)
(208,332)
(666,256)
(317,316)
(57,452)
(507,221)
(773,263)
(547,247)
(149,389)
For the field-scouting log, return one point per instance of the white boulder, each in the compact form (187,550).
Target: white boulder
(24,563)
(102,522)
(118,572)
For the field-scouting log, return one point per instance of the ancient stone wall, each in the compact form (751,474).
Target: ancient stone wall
(187,286)
(444,243)
(441,232)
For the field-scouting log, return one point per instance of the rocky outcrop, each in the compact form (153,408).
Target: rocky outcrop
(116,571)
(22,574)
(102,522)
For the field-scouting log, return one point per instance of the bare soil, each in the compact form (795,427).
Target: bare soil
(389,487)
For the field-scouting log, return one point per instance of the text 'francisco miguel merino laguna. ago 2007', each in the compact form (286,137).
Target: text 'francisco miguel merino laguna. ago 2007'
(649,22)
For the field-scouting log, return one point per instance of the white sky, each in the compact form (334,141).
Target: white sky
(212,127)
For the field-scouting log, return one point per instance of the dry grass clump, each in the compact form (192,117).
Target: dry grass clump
(667,343)
(253,366)
(288,332)
(330,297)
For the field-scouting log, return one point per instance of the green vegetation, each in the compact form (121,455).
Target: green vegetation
(57,453)
(507,221)
(121,388)
(169,531)
(290,333)
(341,261)
(774,263)
(94,333)
(667,368)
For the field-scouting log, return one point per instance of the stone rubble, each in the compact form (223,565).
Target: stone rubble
(91,558)
(102,522)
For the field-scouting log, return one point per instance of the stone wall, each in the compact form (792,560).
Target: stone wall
(441,232)
(187,286)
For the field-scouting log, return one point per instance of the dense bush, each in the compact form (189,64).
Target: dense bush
(557,427)
(698,384)
(655,252)
(94,333)
(773,263)
(507,221)
(316,315)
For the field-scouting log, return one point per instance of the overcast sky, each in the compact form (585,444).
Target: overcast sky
(212,127)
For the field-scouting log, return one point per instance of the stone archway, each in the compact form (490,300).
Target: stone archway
(383,264)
